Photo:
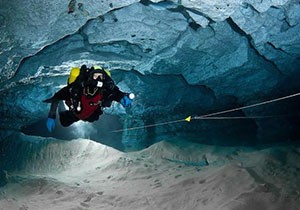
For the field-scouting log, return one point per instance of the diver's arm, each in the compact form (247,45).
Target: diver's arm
(62,94)
(109,84)
(112,89)
(53,108)
(122,97)
(117,94)
(52,114)
(114,93)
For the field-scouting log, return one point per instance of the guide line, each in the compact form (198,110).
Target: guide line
(212,116)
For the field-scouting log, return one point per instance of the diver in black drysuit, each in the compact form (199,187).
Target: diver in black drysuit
(93,90)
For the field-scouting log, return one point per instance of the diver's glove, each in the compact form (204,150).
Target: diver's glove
(127,100)
(50,124)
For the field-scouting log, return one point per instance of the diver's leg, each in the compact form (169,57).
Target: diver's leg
(67,118)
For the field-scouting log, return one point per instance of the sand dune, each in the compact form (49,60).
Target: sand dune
(164,176)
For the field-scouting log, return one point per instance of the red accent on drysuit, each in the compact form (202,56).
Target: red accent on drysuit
(88,106)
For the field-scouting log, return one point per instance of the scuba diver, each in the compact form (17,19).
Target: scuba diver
(87,93)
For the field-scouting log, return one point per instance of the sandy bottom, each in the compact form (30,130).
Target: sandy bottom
(82,174)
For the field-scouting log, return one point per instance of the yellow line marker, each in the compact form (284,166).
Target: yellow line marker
(188,119)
